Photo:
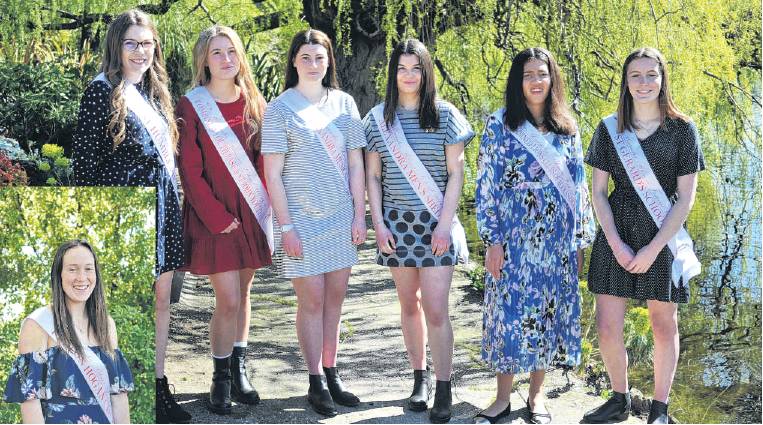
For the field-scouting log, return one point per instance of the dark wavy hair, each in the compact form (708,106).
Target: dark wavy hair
(95,306)
(429,118)
(556,114)
(310,36)
(625,105)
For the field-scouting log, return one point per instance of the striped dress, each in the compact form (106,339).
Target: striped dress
(320,204)
(405,215)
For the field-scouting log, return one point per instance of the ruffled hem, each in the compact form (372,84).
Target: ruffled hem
(221,254)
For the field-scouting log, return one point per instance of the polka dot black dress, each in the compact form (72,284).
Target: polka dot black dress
(672,151)
(135,162)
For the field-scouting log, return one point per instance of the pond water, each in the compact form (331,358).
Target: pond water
(719,372)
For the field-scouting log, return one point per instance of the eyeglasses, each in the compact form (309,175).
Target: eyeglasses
(131,45)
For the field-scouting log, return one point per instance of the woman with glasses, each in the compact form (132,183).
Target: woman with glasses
(126,136)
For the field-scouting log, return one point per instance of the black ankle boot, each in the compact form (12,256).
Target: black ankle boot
(167,409)
(658,413)
(241,389)
(440,411)
(319,396)
(219,392)
(617,408)
(337,390)
(422,388)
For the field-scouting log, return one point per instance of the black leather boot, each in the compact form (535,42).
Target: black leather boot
(319,396)
(167,409)
(422,388)
(241,389)
(337,390)
(219,392)
(658,413)
(617,408)
(440,411)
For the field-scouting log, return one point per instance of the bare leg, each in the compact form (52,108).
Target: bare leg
(502,395)
(411,314)
(244,306)
(162,289)
(309,290)
(227,298)
(334,290)
(610,318)
(536,398)
(664,318)
(435,287)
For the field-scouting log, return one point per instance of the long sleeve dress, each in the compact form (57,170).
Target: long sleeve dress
(673,150)
(531,316)
(212,199)
(135,162)
(319,200)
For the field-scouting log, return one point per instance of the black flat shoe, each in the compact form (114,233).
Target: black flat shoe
(492,419)
(538,418)
(616,409)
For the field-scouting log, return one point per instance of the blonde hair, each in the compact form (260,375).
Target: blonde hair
(155,80)
(254,103)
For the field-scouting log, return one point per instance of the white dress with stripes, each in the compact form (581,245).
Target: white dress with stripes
(320,204)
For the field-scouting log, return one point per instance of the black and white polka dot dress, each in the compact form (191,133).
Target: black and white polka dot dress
(672,151)
(405,215)
(135,162)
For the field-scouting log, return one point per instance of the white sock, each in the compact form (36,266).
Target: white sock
(242,344)
(220,357)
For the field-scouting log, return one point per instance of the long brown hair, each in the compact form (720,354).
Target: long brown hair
(95,306)
(666,105)
(254,103)
(310,36)
(556,114)
(429,118)
(155,80)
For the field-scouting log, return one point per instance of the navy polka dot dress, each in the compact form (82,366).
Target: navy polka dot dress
(135,162)
(673,150)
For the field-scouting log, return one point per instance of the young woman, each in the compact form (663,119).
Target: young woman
(224,228)
(652,152)
(126,136)
(534,216)
(416,132)
(69,369)
(312,140)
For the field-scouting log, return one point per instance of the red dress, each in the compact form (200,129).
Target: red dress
(212,200)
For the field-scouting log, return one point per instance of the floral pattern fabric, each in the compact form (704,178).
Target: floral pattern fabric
(53,377)
(531,316)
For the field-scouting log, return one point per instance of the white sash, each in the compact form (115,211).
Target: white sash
(91,367)
(330,137)
(153,122)
(553,163)
(418,176)
(235,158)
(641,175)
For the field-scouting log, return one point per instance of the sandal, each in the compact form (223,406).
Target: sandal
(492,419)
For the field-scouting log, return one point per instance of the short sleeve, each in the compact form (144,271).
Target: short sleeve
(372,133)
(599,153)
(274,135)
(458,128)
(29,378)
(690,158)
(356,138)
(91,141)
(120,376)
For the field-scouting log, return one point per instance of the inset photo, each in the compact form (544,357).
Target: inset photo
(77,322)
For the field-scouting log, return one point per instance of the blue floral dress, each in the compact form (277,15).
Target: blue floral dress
(531,316)
(52,377)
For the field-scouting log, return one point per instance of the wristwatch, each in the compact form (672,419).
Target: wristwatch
(287,227)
